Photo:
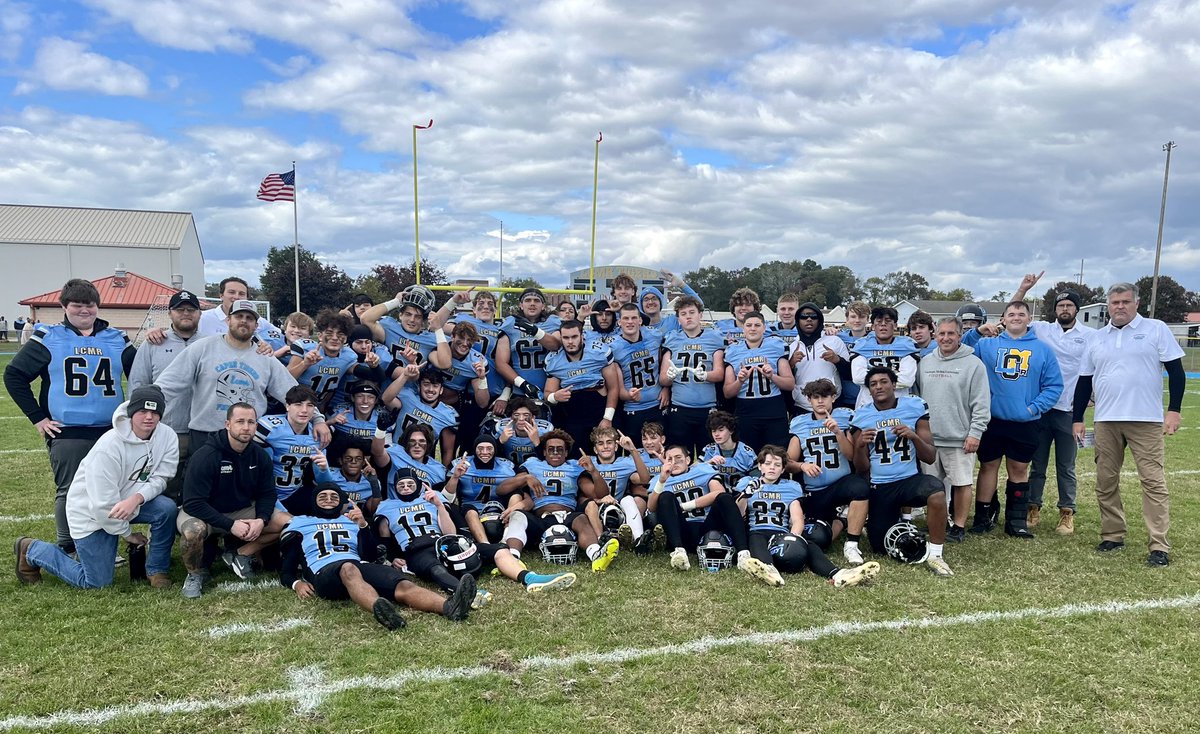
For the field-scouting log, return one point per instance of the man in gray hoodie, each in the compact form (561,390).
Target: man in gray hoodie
(955,386)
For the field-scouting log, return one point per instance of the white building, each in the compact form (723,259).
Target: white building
(42,247)
(1094,315)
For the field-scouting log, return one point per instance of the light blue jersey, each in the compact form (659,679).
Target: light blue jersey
(324,540)
(690,485)
(519,448)
(527,354)
(291,453)
(693,352)
(561,482)
(397,339)
(818,445)
(478,486)
(580,374)
(639,366)
(413,410)
(758,386)
(892,457)
(740,462)
(769,508)
(410,520)
(428,471)
(617,474)
(359,430)
(85,374)
(327,375)
(488,334)
(359,491)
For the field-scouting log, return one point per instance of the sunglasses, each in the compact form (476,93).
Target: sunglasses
(808,317)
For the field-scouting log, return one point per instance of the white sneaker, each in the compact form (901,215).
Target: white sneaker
(852,554)
(855,576)
(939,566)
(765,573)
(679,560)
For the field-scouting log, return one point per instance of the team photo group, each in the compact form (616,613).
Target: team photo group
(404,454)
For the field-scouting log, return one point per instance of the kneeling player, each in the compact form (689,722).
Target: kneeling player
(326,554)
(553,484)
(821,450)
(415,521)
(891,435)
(621,481)
(777,539)
(690,501)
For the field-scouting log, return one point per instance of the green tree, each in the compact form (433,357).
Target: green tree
(958,294)
(321,286)
(394,278)
(1173,302)
(508,301)
(873,290)
(902,285)
(715,285)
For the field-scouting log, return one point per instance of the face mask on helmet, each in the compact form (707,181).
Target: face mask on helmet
(612,517)
(323,491)
(559,545)
(459,555)
(905,543)
(715,552)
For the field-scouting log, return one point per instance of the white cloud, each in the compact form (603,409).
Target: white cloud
(69,65)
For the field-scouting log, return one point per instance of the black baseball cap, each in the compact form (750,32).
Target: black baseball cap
(184,298)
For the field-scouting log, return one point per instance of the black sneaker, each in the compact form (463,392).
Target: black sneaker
(458,606)
(1158,559)
(1108,546)
(644,544)
(956,534)
(986,526)
(386,614)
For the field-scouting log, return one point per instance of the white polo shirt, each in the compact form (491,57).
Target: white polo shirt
(1126,368)
(213,323)
(1068,347)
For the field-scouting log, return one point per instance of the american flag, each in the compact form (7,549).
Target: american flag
(278,187)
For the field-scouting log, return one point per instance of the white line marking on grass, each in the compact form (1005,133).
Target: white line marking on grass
(1130,473)
(309,686)
(242,628)
(24,518)
(22,451)
(238,587)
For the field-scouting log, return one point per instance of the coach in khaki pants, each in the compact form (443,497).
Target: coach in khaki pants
(1123,366)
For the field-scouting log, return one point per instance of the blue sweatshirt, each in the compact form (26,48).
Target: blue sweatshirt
(1022,372)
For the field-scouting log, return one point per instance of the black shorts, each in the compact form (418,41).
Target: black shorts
(887,499)
(383,579)
(822,504)
(1016,440)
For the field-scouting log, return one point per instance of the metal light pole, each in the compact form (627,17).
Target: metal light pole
(1162,213)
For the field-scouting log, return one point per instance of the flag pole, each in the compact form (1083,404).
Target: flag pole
(416,208)
(295,235)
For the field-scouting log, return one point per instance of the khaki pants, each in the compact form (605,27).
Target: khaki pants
(1145,442)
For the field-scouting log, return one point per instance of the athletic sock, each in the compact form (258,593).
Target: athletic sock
(593,551)
(852,538)
(521,577)
(982,510)
(935,549)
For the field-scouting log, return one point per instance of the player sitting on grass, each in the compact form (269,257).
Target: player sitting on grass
(690,501)
(620,480)
(327,554)
(416,522)
(552,484)
(413,452)
(778,541)
(474,480)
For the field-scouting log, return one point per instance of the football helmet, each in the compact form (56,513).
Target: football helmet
(419,297)
(788,552)
(819,534)
(971,312)
(489,517)
(905,543)
(458,554)
(715,552)
(612,517)
(559,545)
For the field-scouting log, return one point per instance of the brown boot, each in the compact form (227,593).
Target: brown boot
(1066,522)
(27,573)
(160,581)
(1035,516)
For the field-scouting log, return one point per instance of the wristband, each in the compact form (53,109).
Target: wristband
(539,335)
(393,304)
(380,434)
(439,336)
(687,506)
(519,381)
(552,399)
(609,413)
(296,582)
(481,383)
(505,394)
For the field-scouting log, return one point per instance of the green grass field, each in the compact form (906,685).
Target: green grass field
(131,659)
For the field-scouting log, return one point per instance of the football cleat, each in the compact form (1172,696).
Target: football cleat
(854,576)
(643,545)
(458,606)
(483,597)
(625,536)
(939,566)
(852,554)
(608,553)
(679,560)
(536,583)
(764,572)
(386,614)
(660,537)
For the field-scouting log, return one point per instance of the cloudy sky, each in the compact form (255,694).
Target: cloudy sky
(967,140)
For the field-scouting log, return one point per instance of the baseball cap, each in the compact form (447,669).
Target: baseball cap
(146,397)
(184,298)
(242,305)
(364,386)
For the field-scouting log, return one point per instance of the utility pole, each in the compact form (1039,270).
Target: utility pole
(1162,213)
(1081,272)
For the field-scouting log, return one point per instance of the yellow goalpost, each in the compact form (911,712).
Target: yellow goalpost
(500,289)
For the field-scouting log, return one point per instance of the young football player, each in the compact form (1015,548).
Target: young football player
(328,554)
(520,433)
(858,325)
(322,365)
(730,457)
(355,422)
(652,301)
(785,326)
(422,404)
(602,322)
(778,541)
(407,338)
(530,335)
(883,348)
(891,435)
(292,443)
(475,480)
(582,385)
(821,450)
(693,364)
(413,451)
(920,330)
(371,361)
(636,351)
(622,480)
(742,303)
(654,445)
(361,488)
(757,373)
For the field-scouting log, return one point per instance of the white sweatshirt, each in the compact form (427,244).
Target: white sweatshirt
(119,465)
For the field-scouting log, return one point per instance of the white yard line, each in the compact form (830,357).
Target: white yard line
(24,518)
(22,451)
(283,625)
(309,687)
(238,587)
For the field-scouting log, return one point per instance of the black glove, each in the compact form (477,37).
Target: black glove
(530,390)
(386,418)
(525,326)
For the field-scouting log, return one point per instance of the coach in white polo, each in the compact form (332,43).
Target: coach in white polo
(1123,366)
